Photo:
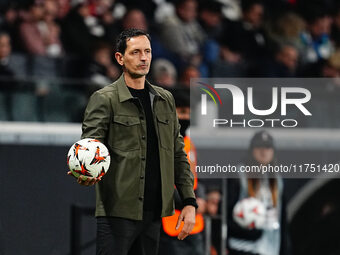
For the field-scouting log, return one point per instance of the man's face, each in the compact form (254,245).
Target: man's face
(213,200)
(37,12)
(289,57)
(137,57)
(254,15)
(187,11)
(210,18)
(321,26)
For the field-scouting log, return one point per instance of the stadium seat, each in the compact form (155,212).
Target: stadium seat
(24,106)
(44,67)
(61,104)
(53,106)
(74,103)
(19,63)
(72,67)
(3,108)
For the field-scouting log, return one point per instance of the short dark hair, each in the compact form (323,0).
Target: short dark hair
(315,12)
(246,5)
(127,34)
(211,5)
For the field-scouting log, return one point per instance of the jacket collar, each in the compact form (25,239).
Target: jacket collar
(124,93)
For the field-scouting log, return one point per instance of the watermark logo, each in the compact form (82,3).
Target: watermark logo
(281,97)
(208,89)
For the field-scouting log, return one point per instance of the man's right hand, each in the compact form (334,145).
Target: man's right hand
(86,180)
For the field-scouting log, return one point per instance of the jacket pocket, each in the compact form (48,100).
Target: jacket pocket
(165,127)
(125,133)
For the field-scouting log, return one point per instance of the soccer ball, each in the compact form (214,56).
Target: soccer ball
(250,213)
(88,157)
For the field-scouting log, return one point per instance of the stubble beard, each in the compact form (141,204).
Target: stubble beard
(135,75)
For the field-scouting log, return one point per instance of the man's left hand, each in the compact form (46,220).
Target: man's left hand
(188,216)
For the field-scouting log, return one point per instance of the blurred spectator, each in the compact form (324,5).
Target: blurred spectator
(99,7)
(189,72)
(181,33)
(316,43)
(164,73)
(287,29)
(331,68)
(210,18)
(80,29)
(51,8)
(54,32)
(64,8)
(7,81)
(103,10)
(5,47)
(102,70)
(164,10)
(213,202)
(9,22)
(134,18)
(213,199)
(5,52)
(335,32)
(39,33)
(284,64)
(245,39)
(146,6)
(271,237)
(110,26)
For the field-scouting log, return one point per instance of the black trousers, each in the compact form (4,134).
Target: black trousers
(119,236)
(191,245)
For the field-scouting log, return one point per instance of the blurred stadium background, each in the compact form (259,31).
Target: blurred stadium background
(55,53)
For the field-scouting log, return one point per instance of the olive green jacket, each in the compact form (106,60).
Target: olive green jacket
(117,119)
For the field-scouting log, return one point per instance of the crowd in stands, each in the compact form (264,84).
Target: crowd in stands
(74,39)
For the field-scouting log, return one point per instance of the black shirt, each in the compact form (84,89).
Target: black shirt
(152,188)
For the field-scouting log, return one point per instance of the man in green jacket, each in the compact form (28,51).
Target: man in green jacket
(138,123)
